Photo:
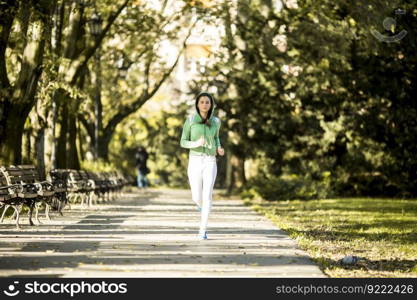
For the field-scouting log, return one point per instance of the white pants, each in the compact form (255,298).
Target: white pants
(202,171)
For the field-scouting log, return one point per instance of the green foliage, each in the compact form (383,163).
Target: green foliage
(98,166)
(305,90)
(159,131)
(316,92)
(289,187)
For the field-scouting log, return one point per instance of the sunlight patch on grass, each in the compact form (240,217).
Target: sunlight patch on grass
(381,231)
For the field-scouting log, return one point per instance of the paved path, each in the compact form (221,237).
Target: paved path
(152,234)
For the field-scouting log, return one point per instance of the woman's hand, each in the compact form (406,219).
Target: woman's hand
(201,141)
(220,151)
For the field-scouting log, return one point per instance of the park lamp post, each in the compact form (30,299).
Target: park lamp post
(123,64)
(95,24)
(96,30)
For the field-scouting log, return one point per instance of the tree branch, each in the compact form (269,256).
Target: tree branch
(147,69)
(165,76)
(59,28)
(33,55)
(8,11)
(78,64)
(126,110)
(89,127)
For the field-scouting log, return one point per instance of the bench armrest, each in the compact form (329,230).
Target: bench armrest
(44,186)
(31,187)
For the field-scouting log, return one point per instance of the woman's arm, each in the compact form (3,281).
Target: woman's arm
(216,137)
(219,148)
(186,136)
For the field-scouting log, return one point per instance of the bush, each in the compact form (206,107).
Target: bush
(288,187)
(97,166)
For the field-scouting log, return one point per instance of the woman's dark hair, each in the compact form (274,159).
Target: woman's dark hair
(207,119)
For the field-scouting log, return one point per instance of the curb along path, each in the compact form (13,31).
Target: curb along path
(152,233)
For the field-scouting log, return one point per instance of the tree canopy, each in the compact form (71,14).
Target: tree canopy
(316,98)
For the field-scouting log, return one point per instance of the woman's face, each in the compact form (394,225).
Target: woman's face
(204,104)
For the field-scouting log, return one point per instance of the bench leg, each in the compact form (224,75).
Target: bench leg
(82,197)
(6,207)
(36,207)
(47,207)
(63,201)
(14,214)
(90,198)
(69,200)
(31,207)
(60,206)
(17,212)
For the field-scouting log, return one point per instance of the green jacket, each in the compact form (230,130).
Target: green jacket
(193,130)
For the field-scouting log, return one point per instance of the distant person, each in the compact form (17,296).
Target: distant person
(141,167)
(200,134)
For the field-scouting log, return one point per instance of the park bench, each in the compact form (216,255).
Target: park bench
(45,189)
(91,187)
(99,186)
(116,183)
(59,179)
(9,197)
(78,187)
(88,188)
(108,186)
(112,183)
(125,180)
(27,193)
(21,185)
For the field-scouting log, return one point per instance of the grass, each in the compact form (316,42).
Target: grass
(383,232)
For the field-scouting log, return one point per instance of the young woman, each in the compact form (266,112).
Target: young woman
(200,134)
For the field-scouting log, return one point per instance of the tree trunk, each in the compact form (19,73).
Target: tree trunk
(18,99)
(81,142)
(61,154)
(73,161)
(54,120)
(11,134)
(40,152)
(229,174)
(98,107)
(242,173)
(103,146)
(56,47)
(238,173)
(27,157)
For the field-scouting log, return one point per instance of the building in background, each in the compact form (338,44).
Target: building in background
(201,47)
